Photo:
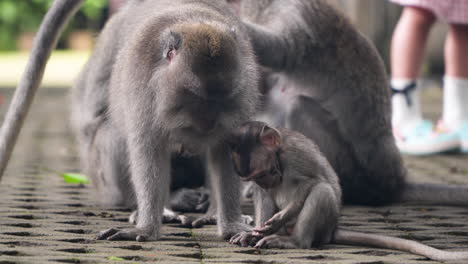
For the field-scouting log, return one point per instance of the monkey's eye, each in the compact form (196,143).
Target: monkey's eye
(170,54)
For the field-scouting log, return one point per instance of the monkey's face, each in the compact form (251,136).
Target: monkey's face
(255,154)
(202,70)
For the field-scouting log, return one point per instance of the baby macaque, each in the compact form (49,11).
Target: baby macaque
(298,196)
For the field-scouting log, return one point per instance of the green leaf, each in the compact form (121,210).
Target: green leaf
(115,258)
(75,178)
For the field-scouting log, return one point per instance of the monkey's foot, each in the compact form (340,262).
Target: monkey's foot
(275,241)
(247,219)
(245,239)
(169,217)
(228,230)
(271,226)
(209,219)
(190,200)
(138,234)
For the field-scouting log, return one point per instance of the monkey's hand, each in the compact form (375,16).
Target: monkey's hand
(138,234)
(207,219)
(276,241)
(245,239)
(271,226)
(230,229)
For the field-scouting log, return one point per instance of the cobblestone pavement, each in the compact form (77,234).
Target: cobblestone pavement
(44,220)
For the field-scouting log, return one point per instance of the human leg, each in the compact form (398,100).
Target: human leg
(407,51)
(455,109)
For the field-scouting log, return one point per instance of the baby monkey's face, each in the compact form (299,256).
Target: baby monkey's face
(254,150)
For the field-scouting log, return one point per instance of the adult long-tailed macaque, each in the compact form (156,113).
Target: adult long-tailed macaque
(164,74)
(332,87)
(298,197)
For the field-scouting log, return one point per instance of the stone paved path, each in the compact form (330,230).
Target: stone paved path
(44,220)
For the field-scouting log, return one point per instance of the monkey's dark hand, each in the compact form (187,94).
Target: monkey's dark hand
(275,241)
(230,230)
(271,226)
(138,234)
(245,239)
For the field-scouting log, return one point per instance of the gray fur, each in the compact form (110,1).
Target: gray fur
(333,88)
(302,210)
(148,109)
(307,198)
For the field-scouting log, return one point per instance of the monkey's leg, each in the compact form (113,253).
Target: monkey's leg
(106,163)
(281,218)
(150,168)
(265,208)
(266,43)
(226,191)
(315,224)
(308,117)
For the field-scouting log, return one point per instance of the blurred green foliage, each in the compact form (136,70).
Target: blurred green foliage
(18,16)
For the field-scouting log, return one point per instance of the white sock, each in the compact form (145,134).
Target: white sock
(455,109)
(404,116)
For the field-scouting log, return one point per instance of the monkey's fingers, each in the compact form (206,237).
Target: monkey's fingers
(106,233)
(203,206)
(249,240)
(244,239)
(135,234)
(275,241)
(204,220)
(255,233)
(264,229)
(234,238)
(270,221)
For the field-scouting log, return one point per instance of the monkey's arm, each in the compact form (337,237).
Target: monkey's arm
(226,191)
(315,223)
(264,205)
(265,208)
(271,49)
(47,37)
(278,220)
(150,175)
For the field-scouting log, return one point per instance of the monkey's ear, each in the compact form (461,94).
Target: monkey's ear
(270,137)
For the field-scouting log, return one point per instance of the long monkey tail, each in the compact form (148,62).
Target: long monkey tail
(46,40)
(435,194)
(343,237)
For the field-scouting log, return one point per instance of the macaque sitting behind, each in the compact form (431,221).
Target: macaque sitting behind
(298,197)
